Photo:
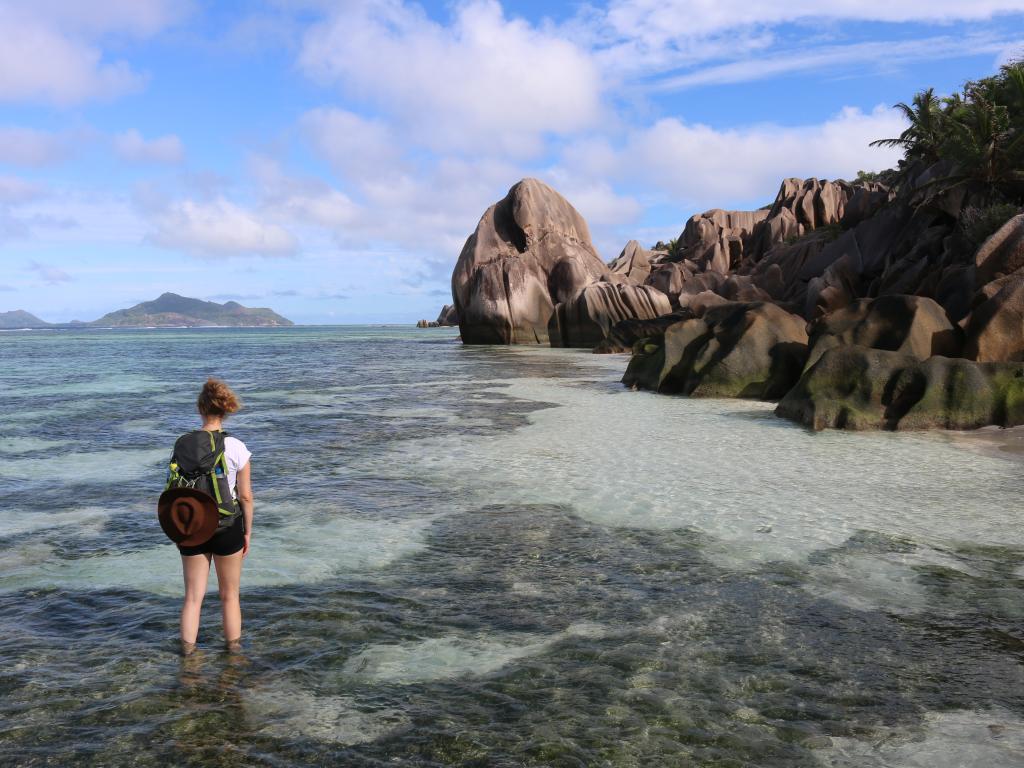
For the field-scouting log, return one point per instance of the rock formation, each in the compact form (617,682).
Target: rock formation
(634,263)
(530,251)
(530,275)
(773,250)
(995,329)
(1002,254)
(448,316)
(586,319)
(890,285)
(910,325)
(858,388)
(752,350)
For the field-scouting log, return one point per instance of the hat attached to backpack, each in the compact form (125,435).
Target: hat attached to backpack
(188,516)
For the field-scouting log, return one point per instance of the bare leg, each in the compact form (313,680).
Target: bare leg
(197,571)
(229,576)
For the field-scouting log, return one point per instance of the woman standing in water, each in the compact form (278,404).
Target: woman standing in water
(230,544)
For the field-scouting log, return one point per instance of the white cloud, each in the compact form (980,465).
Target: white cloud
(700,166)
(28,147)
(606,211)
(138,18)
(37,63)
(49,274)
(219,228)
(131,146)
(1012,52)
(50,49)
(19,216)
(14,190)
(890,53)
(327,208)
(663,20)
(308,201)
(357,147)
(633,40)
(484,82)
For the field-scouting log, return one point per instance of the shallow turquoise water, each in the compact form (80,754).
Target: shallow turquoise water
(493,556)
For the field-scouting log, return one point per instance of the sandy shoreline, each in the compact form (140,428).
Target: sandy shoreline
(1006,443)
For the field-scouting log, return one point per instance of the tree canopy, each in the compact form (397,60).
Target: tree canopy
(977,133)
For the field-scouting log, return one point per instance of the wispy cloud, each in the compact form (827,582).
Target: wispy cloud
(236,297)
(31,148)
(874,54)
(219,228)
(665,21)
(131,146)
(15,190)
(49,274)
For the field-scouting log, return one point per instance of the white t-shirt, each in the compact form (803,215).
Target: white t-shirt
(237,456)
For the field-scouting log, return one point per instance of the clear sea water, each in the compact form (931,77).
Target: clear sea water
(493,557)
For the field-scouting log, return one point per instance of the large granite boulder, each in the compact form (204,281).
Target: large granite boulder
(716,240)
(911,325)
(625,334)
(678,280)
(860,388)
(448,316)
(754,350)
(995,328)
(633,264)
(530,251)
(586,319)
(801,206)
(1002,254)
(671,278)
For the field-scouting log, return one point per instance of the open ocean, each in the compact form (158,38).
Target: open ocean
(493,557)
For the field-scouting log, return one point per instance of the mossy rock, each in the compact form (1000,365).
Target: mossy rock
(859,388)
(738,349)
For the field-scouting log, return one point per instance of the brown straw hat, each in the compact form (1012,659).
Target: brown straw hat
(188,517)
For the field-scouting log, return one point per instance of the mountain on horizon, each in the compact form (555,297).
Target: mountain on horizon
(19,318)
(168,310)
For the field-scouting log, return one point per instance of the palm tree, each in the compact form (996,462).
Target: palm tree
(922,139)
(978,132)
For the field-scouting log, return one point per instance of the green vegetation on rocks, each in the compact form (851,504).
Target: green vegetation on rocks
(978,133)
(858,388)
(754,350)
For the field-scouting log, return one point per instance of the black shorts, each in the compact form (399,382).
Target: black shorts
(226,541)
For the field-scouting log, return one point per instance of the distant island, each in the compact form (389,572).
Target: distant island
(19,318)
(168,311)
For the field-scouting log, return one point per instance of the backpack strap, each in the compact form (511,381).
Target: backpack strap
(217,447)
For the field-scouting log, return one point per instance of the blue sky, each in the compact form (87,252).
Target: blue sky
(328,159)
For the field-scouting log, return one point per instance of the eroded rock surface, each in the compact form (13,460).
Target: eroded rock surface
(995,329)
(911,325)
(448,316)
(754,350)
(859,388)
(530,251)
(586,319)
(1002,254)
(634,263)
